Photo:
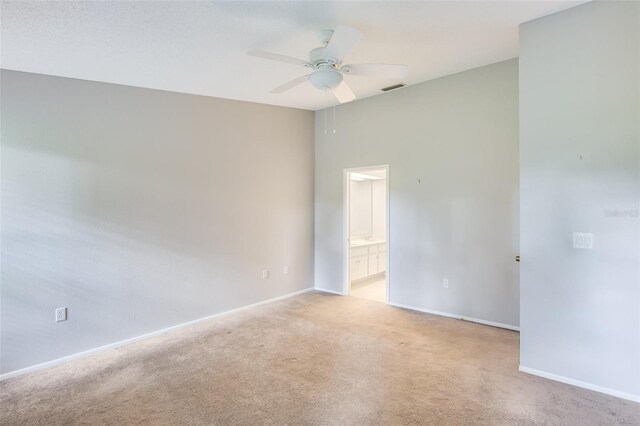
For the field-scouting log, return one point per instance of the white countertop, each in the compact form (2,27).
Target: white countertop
(362,242)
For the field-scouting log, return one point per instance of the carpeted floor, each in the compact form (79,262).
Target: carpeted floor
(315,359)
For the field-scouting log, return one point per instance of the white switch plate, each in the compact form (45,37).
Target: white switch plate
(285,270)
(265,274)
(61,314)
(582,240)
(445,283)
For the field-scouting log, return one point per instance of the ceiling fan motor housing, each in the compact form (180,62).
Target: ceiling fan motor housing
(326,75)
(317,57)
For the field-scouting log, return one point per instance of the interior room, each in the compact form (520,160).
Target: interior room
(320,213)
(367,252)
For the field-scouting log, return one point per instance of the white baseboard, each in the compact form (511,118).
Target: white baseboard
(125,342)
(491,323)
(460,317)
(580,384)
(329,291)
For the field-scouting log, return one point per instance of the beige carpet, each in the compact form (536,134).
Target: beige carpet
(315,359)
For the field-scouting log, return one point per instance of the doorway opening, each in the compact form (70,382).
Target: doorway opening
(366,216)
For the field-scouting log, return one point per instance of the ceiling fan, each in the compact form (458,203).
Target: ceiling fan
(326,63)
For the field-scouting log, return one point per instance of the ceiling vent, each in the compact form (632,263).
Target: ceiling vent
(395,86)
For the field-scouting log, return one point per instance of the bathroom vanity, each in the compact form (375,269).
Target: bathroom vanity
(367,258)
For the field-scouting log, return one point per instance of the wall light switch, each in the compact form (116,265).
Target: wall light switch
(582,240)
(61,314)
(285,270)
(265,274)
(445,283)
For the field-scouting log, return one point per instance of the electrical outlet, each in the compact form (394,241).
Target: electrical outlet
(265,274)
(61,314)
(445,283)
(285,270)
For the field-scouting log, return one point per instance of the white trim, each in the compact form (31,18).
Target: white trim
(387,238)
(459,317)
(125,342)
(491,323)
(580,384)
(346,281)
(426,311)
(330,291)
(346,237)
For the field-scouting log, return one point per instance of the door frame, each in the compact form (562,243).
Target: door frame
(346,226)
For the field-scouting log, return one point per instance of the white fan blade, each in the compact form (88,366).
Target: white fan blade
(344,93)
(290,85)
(276,57)
(376,70)
(344,38)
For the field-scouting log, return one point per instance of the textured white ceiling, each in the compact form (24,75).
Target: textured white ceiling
(199,47)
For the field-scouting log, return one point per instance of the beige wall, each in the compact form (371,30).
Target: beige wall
(140,209)
(459,136)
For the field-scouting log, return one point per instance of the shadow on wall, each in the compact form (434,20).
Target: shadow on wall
(142,212)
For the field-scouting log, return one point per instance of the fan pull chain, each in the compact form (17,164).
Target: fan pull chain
(325,111)
(334,119)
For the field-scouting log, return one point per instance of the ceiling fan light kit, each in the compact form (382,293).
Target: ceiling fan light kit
(326,63)
(325,79)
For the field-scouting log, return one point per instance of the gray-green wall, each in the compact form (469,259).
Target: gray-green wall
(459,136)
(140,209)
(580,172)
